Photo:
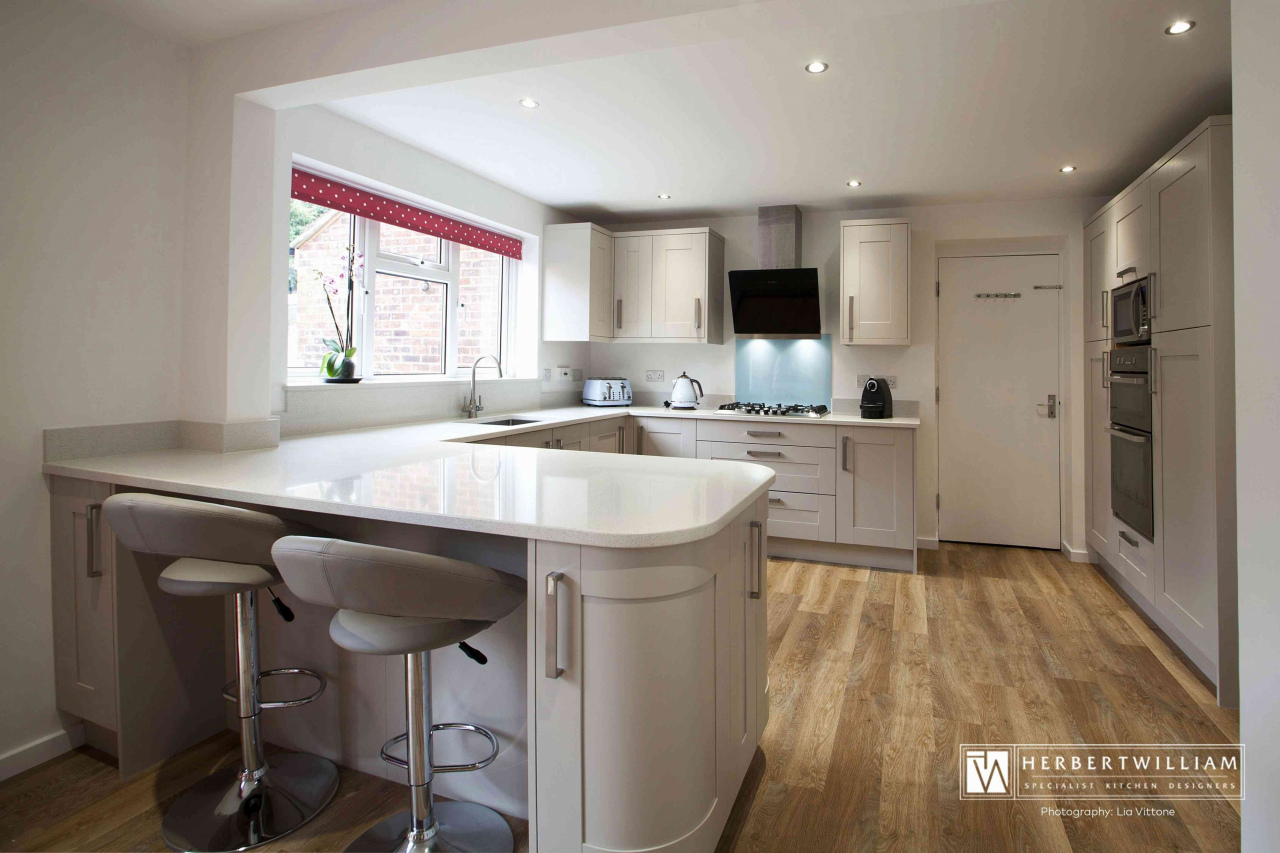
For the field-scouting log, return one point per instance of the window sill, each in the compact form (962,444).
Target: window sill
(317,384)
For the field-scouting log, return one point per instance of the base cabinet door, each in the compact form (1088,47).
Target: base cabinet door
(83,605)
(544,438)
(574,437)
(667,437)
(608,436)
(1097,468)
(1186,583)
(875,487)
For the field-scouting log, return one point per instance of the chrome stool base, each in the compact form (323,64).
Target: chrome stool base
(468,827)
(221,813)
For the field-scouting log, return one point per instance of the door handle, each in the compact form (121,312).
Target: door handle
(769,453)
(1128,436)
(844,453)
(551,627)
(759,433)
(622,440)
(1106,307)
(1126,537)
(547,444)
(1124,272)
(1127,380)
(639,440)
(1051,406)
(776,502)
(91,540)
(850,324)
(697,313)
(759,528)
(559,444)
(1155,370)
(618,320)
(1151,296)
(1106,372)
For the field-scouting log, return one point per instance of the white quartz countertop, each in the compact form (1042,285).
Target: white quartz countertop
(428,474)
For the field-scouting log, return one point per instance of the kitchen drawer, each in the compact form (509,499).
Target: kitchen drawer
(755,432)
(1136,562)
(794,515)
(799,469)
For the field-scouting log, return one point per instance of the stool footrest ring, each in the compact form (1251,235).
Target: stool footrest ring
(446,768)
(229,691)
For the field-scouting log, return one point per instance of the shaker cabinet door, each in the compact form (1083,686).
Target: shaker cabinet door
(874,304)
(632,304)
(1099,277)
(680,286)
(875,487)
(1132,243)
(1097,470)
(1180,204)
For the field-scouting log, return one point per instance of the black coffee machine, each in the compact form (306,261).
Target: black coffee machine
(877,402)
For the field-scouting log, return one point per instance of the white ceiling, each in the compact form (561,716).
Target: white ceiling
(963,103)
(195,22)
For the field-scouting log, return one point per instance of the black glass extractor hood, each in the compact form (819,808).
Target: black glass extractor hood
(775,303)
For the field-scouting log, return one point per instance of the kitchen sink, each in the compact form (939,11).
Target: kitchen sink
(507,422)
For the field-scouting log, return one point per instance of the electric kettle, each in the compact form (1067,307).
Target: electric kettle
(683,395)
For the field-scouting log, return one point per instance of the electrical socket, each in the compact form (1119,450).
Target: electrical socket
(577,374)
(654,376)
(546,374)
(892,380)
(564,374)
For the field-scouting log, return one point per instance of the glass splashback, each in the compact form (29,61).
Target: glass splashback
(783,371)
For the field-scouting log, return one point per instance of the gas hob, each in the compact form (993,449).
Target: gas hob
(779,410)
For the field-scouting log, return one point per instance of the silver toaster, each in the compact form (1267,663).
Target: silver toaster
(607,391)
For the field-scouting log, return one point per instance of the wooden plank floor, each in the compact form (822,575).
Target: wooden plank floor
(876,679)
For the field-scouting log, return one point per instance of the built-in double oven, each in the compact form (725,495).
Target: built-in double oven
(1132,378)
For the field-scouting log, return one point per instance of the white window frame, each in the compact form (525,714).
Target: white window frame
(446,273)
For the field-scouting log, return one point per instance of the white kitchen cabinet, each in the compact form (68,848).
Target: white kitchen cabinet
(1191,198)
(633,287)
(577,286)
(647,670)
(83,609)
(679,285)
(1099,276)
(572,437)
(875,487)
(667,437)
(608,436)
(1184,496)
(795,515)
(798,469)
(544,438)
(875,281)
(1132,241)
(1135,557)
(1097,463)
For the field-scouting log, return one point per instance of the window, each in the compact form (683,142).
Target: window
(424,306)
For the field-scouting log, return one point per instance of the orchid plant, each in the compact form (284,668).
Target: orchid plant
(341,349)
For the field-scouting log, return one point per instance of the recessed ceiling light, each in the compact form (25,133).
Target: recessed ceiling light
(529,103)
(816,67)
(663,196)
(1067,169)
(855,183)
(1177,28)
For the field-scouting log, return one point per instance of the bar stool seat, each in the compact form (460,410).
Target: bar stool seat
(395,602)
(225,550)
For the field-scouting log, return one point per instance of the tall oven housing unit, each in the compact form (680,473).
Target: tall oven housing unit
(1160,453)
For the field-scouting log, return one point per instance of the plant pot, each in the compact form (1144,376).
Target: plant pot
(346,375)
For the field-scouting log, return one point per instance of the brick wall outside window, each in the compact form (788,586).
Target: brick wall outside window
(309,319)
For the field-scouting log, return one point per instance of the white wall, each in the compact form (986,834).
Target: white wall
(91,235)
(328,138)
(913,365)
(1255,66)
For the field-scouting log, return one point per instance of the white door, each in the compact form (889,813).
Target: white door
(997,367)
(632,287)
(679,285)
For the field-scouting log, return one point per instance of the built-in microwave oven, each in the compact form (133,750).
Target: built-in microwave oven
(1131,311)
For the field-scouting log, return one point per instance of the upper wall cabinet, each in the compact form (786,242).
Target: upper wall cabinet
(1099,276)
(1132,215)
(655,286)
(875,281)
(577,282)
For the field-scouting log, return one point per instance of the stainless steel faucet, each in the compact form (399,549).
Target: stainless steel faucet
(473,407)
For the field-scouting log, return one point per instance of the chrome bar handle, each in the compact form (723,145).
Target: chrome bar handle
(639,440)
(1106,307)
(759,528)
(850,324)
(1155,370)
(559,444)
(760,433)
(622,440)
(547,444)
(769,453)
(1128,380)
(91,540)
(844,454)
(777,502)
(1126,537)
(1124,272)
(1128,436)
(1106,370)
(697,313)
(551,628)
(1151,296)
(618,319)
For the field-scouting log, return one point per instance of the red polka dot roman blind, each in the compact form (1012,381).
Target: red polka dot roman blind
(335,195)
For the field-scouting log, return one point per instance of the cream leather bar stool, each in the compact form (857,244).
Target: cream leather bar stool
(226,550)
(394,602)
